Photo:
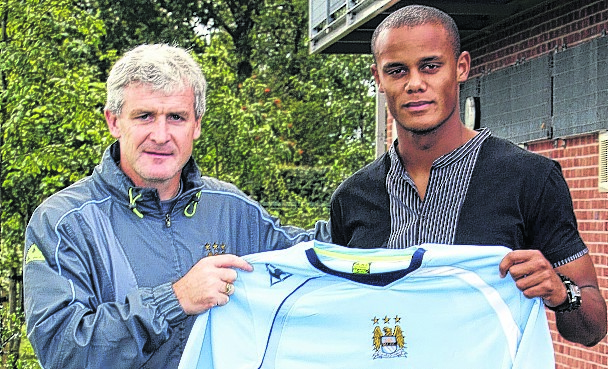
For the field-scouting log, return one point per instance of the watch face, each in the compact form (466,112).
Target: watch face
(573,300)
(470,111)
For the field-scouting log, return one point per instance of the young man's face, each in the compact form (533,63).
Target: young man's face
(156,132)
(419,74)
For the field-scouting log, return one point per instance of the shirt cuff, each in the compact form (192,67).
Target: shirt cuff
(168,305)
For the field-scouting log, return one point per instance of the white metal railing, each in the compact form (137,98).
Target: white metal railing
(330,20)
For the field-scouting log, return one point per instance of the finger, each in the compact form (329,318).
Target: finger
(519,271)
(222,302)
(514,258)
(228,289)
(532,290)
(538,285)
(227,275)
(525,281)
(231,261)
(505,264)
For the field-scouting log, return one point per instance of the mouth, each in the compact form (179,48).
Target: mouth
(159,154)
(417,105)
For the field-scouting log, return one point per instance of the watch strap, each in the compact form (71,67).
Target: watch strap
(573,296)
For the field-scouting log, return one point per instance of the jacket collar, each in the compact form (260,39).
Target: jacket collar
(108,175)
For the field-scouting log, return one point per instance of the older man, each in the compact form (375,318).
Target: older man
(115,265)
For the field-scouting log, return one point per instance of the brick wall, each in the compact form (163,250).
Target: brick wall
(578,157)
(550,26)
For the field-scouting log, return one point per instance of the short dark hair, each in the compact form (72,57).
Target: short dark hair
(417,15)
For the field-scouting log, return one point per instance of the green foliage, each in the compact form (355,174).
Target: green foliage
(52,126)
(241,137)
(308,182)
(254,129)
(306,199)
(298,211)
(128,23)
(10,329)
(335,95)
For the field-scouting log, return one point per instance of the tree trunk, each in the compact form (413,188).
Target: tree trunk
(14,307)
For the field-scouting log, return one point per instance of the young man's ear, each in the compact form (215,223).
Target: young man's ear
(374,69)
(112,121)
(463,65)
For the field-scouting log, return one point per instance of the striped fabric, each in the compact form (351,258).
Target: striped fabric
(432,220)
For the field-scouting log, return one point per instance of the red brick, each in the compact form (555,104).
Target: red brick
(538,33)
(579,164)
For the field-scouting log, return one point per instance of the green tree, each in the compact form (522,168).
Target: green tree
(242,140)
(328,95)
(183,22)
(129,23)
(52,127)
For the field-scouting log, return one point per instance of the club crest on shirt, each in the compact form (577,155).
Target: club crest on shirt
(388,341)
(214,249)
(276,274)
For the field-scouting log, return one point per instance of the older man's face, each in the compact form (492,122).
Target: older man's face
(156,132)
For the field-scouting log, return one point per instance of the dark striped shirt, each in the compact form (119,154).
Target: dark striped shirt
(432,220)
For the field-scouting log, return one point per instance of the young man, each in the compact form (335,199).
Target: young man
(443,183)
(115,265)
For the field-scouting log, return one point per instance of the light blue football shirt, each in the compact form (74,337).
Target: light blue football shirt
(318,305)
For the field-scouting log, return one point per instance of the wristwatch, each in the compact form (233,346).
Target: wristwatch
(573,301)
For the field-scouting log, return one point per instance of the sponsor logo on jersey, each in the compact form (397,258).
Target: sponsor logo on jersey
(276,274)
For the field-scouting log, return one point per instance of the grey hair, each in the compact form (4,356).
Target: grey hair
(162,67)
(417,15)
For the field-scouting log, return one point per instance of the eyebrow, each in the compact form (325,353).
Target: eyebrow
(183,113)
(137,112)
(392,65)
(420,62)
(430,59)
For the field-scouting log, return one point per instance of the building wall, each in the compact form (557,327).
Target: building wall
(578,157)
(553,26)
(550,28)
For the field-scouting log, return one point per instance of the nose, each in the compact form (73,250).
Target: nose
(160,131)
(415,83)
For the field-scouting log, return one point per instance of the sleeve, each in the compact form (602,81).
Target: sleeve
(337,227)
(253,227)
(360,208)
(72,320)
(270,234)
(553,227)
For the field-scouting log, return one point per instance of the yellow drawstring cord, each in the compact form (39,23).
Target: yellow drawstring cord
(133,205)
(193,204)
